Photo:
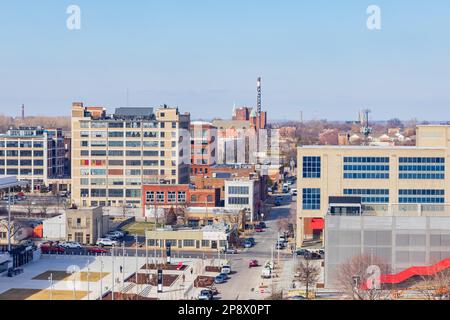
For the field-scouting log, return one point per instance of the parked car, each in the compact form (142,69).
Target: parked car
(301,252)
(251,240)
(105,242)
(224,275)
(219,279)
(280,246)
(205,295)
(262,225)
(230,251)
(294,192)
(248,244)
(97,250)
(70,245)
(259,230)
(253,263)
(52,249)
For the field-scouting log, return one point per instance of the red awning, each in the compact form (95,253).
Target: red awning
(317,224)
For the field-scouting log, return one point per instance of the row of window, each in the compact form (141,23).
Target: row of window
(359,192)
(128,153)
(121,172)
(112,193)
(420,200)
(134,124)
(130,163)
(23,153)
(172,196)
(421,192)
(421,160)
(186,243)
(10,162)
(366,160)
(422,168)
(422,176)
(365,168)
(21,171)
(238,190)
(22,144)
(238,200)
(366,175)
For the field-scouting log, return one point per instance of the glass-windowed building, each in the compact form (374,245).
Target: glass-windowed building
(383,176)
(33,154)
(114,155)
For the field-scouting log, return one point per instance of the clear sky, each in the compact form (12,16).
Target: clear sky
(202,55)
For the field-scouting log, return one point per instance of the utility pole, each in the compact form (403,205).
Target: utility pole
(137,257)
(87,279)
(123,264)
(51,286)
(101,276)
(9,219)
(113,277)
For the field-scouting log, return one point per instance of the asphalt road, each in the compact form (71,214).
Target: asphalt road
(244,283)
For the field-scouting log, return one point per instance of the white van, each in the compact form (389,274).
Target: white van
(226,269)
(266,273)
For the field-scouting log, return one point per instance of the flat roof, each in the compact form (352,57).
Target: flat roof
(370,147)
(10,181)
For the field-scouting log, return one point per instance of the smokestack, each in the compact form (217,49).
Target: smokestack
(23,112)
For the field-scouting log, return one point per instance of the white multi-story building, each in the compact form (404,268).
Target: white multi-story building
(114,155)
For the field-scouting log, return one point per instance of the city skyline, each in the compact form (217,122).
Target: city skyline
(205,56)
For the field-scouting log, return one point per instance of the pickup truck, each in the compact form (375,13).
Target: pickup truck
(266,273)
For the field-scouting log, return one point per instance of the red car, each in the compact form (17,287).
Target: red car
(253,263)
(259,230)
(52,250)
(97,250)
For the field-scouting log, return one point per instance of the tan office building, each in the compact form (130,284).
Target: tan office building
(114,155)
(386,178)
(85,226)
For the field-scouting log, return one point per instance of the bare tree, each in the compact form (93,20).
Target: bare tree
(29,208)
(436,287)
(355,278)
(44,205)
(308,274)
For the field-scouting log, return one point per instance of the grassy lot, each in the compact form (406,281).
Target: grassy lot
(139,227)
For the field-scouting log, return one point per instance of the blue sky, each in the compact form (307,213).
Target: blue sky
(202,55)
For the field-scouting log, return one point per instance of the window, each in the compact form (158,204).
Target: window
(422,196)
(95,193)
(115,153)
(133,144)
(150,197)
(205,244)
(133,193)
(188,243)
(131,153)
(311,199)
(115,143)
(366,168)
(311,167)
(171,196)
(98,153)
(115,193)
(238,190)
(422,168)
(115,134)
(160,197)
(370,195)
(238,200)
(115,125)
(181,196)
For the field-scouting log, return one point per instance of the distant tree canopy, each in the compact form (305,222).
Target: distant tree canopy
(46,122)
